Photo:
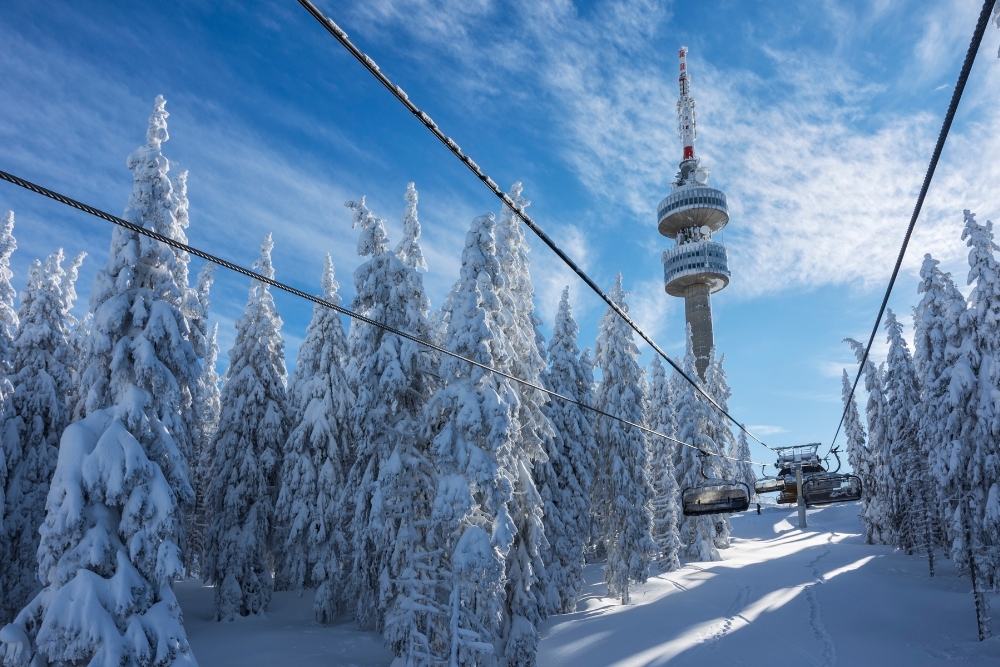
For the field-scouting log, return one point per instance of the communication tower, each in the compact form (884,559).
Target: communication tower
(696,266)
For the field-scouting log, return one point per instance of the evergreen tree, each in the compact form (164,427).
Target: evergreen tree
(472,420)
(208,405)
(389,376)
(717,428)
(570,468)
(905,465)
(622,489)
(696,463)
(974,469)
(936,323)
(253,426)
(666,495)
(858,455)
(309,519)
(876,513)
(38,412)
(742,466)
(8,325)
(529,596)
(109,545)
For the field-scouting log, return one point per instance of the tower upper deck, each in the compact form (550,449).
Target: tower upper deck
(692,206)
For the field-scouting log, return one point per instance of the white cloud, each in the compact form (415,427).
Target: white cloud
(764,429)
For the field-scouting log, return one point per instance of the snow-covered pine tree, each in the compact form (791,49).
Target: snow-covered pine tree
(571,462)
(717,384)
(742,467)
(595,548)
(666,495)
(876,514)
(858,454)
(409,251)
(975,458)
(389,376)
(310,527)
(38,412)
(208,405)
(622,493)
(8,325)
(253,426)
(697,533)
(936,324)
(529,594)
(108,551)
(906,468)
(472,420)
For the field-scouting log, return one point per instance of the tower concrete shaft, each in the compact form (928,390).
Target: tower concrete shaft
(698,314)
(696,266)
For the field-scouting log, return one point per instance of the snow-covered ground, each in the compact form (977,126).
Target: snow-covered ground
(814,597)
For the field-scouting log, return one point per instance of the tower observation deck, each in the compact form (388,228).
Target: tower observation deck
(696,266)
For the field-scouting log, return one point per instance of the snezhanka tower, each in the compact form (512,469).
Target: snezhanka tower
(696,266)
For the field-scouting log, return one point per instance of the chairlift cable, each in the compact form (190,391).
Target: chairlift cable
(426,120)
(38,189)
(956,97)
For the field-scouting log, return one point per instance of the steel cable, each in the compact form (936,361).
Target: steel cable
(426,120)
(138,229)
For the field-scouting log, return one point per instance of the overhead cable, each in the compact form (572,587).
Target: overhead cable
(138,229)
(956,97)
(427,122)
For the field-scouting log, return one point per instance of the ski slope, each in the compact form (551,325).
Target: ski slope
(818,597)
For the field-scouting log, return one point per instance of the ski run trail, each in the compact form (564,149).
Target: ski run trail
(817,597)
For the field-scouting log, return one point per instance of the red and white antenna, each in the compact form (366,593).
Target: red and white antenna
(685,109)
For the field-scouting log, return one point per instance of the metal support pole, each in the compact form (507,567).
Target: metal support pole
(801,501)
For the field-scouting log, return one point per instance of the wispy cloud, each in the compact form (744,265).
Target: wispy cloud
(765,429)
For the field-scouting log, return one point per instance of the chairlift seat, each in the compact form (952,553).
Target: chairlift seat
(716,497)
(769,485)
(831,488)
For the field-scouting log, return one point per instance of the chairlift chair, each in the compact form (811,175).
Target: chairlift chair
(715,496)
(831,487)
(766,483)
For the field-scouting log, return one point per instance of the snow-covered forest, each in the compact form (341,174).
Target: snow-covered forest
(441,505)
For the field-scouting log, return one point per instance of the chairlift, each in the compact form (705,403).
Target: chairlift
(806,456)
(767,483)
(831,487)
(715,496)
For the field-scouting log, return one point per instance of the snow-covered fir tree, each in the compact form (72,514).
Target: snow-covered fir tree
(622,493)
(389,376)
(698,535)
(743,467)
(571,462)
(876,509)
(666,495)
(310,530)
(408,250)
(717,429)
(109,545)
(974,461)
(529,596)
(8,325)
(253,427)
(907,472)
(208,407)
(858,454)
(472,421)
(936,325)
(38,411)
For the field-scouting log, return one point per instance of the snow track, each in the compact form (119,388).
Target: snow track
(816,612)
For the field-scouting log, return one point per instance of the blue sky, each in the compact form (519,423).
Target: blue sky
(817,119)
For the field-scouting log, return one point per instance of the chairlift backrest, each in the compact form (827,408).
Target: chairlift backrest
(831,488)
(716,496)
